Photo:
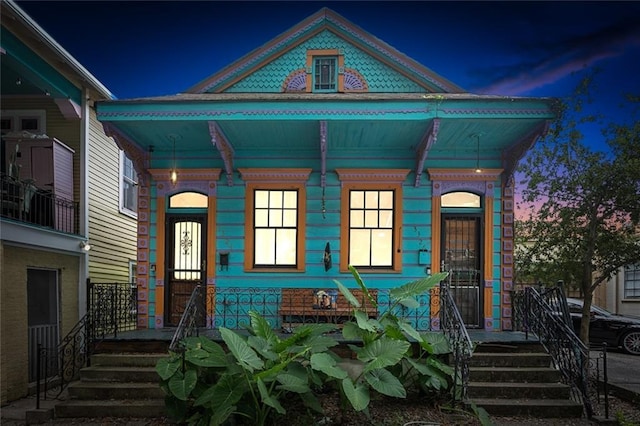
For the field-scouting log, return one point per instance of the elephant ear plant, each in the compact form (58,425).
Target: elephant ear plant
(388,363)
(206,385)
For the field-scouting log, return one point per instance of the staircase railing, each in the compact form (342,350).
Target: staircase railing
(111,308)
(534,314)
(452,325)
(191,317)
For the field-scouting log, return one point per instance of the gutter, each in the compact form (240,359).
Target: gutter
(59,50)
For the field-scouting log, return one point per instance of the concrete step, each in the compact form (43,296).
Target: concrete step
(539,408)
(127,360)
(111,408)
(119,374)
(514,374)
(501,390)
(520,359)
(527,347)
(114,390)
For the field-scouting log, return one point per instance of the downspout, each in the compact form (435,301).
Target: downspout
(84,201)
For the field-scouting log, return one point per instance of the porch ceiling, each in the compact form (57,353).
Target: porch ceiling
(455,138)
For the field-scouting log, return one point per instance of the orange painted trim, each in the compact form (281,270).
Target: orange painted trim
(249,220)
(488,238)
(488,302)
(211,240)
(159,300)
(397,224)
(160,253)
(436,233)
(434,302)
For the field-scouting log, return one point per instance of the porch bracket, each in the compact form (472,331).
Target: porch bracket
(137,155)
(513,155)
(224,148)
(427,142)
(323,153)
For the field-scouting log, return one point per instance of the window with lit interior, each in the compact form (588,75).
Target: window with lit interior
(325,75)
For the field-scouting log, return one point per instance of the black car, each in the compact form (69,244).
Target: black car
(616,331)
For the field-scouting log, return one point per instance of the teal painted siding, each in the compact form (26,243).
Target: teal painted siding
(379,77)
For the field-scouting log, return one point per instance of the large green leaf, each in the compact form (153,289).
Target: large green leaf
(351,331)
(293,383)
(353,301)
(319,343)
(410,331)
(181,385)
(311,401)
(269,399)
(325,363)
(358,395)
(245,356)
(220,416)
(262,328)
(226,392)
(438,343)
(262,346)
(166,367)
(386,383)
(360,282)
(415,288)
(409,302)
(213,356)
(363,321)
(382,353)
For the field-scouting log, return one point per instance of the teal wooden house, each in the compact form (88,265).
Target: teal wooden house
(323,148)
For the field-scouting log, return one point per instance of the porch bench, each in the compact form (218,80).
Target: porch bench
(301,305)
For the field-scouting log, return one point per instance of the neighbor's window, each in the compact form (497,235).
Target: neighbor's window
(325,74)
(33,121)
(632,281)
(275,219)
(128,186)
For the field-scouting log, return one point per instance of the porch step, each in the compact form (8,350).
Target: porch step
(521,359)
(515,374)
(111,390)
(518,380)
(539,408)
(523,390)
(116,385)
(150,408)
(118,374)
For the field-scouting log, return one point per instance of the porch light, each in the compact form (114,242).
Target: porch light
(173,173)
(85,246)
(478,169)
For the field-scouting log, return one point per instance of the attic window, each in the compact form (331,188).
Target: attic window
(325,71)
(325,76)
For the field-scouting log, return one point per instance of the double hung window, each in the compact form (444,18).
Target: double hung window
(632,282)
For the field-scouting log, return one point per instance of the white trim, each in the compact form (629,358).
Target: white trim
(18,114)
(121,177)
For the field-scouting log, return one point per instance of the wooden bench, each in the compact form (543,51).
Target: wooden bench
(307,305)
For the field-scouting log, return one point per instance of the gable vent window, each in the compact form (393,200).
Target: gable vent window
(325,75)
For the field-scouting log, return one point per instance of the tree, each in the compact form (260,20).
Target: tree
(581,206)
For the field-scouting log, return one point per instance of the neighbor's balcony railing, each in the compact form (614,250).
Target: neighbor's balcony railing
(22,201)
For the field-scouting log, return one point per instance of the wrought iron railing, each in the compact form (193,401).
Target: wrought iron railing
(191,320)
(533,314)
(452,325)
(111,308)
(22,201)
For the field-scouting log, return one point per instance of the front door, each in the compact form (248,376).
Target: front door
(462,259)
(186,263)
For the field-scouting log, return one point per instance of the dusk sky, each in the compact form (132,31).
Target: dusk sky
(144,48)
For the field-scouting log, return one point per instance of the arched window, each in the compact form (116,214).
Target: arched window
(188,200)
(461,199)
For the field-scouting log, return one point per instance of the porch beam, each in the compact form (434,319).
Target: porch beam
(323,153)
(138,156)
(224,148)
(427,142)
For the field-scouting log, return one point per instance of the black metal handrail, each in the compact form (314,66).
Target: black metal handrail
(190,320)
(570,355)
(111,308)
(23,202)
(452,325)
